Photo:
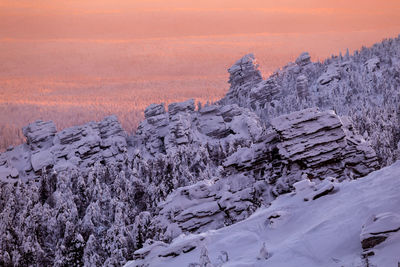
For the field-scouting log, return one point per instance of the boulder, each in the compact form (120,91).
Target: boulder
(378,228)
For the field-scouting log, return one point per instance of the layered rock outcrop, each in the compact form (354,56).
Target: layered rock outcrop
(243,76)
(363,86)
(305,145)
(78,146)
(182,125)
(311,143)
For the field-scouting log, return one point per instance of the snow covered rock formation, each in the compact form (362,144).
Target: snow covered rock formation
(303,145)
(364,86)
(163,131)
(322,232)
(282,148)
(76,147)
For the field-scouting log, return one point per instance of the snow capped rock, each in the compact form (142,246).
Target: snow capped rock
(206,205)
(324,188)
(78,146)
(378,228)
(357,85)
(244,70)
(40,134)
(263,92)
(308,142)
(243,75)
(14,161)
(182,125)
(154,110)
(303,59)
(185,106)
(303,145)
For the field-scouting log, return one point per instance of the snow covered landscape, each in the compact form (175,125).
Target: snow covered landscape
(298,169)
(321,232)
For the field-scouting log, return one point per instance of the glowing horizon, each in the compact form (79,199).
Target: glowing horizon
(74,61)
(106,19)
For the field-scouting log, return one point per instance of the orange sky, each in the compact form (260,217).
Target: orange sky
(126,19)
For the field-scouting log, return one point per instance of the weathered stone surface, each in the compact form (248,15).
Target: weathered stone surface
(243,75)
(154,110)
(40,134)
(263,93)
(186,106)
(300,146)
(244,70)
(307,143)
(76,147)
(181,125)
(209,205)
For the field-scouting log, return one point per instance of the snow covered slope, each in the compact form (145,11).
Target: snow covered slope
(321,232)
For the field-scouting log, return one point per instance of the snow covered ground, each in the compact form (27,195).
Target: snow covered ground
(321,232)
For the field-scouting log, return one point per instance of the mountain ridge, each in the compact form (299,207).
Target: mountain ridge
(104,194)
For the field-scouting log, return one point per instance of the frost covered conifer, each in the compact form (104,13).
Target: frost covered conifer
(204,259)
(263,255)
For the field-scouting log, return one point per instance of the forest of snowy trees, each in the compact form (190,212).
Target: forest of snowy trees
(94,218)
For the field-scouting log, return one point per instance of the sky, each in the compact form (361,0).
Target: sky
(70,57)
(62,35)
(127,19)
